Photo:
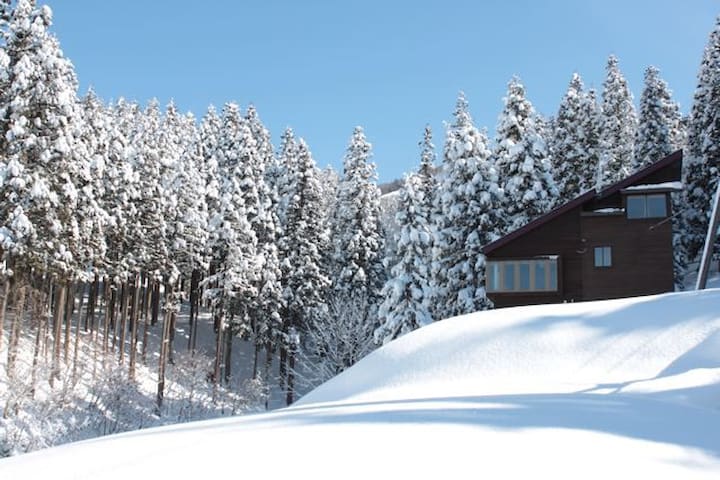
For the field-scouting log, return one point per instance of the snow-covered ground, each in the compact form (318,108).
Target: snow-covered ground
(616,389)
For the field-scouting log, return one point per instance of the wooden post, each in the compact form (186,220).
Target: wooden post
(709,242)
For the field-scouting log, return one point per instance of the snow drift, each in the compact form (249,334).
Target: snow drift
(624,388)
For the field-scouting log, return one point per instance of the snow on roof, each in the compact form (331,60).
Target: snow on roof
(655,186)
(609,210)
(585,390)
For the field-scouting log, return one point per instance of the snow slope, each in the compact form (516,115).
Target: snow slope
(624,388)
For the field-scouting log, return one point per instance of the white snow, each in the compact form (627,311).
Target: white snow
(675,186)
(616,389)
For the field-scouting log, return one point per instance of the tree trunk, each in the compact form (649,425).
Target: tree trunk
(106,316)
(134,324)
(194,304)
(77,329)
(113,317)
(146,318)
(255,360)
(290,377)
(282,368)
(155,303)
(3,309)
(227,353)
(92,303)
(49,302)
(164,347)
(69,304)
(60,292)
(15,330)
(42,321)
(268,366)
(123,322)
(219,345)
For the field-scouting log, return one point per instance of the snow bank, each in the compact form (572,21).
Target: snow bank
(621,389)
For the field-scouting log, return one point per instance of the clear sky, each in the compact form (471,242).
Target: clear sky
(324,67)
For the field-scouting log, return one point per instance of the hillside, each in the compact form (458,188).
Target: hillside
(616,389)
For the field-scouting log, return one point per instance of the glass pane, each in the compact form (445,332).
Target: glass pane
(552,265)
(509,277)
(656,206)
(607,256)
(493,274)
(540,283)
(636,206)
(599,257)
(524,276)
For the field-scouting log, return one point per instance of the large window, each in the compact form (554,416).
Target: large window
(531,275)
(647,206)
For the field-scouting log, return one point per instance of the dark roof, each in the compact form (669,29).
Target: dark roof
(582,199)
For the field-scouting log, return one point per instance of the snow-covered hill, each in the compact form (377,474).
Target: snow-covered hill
(616,389)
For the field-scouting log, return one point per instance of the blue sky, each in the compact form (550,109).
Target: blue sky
(323,67)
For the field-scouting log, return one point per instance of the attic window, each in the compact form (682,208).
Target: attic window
(646,206)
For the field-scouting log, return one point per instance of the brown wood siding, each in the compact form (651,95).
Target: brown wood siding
(559,236)
(641,257)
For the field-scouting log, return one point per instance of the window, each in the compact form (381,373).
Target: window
(603,256)
(646,206)
(531,275)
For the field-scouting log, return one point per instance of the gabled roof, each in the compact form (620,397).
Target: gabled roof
(584,198)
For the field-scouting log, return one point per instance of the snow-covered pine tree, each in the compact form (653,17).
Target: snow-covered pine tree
(265,313)
(618,127)
(658,122)
(96,141)
(522,158)
(468,215)
(701,162)
(189,242)
(304,239)
(591,119)
(210,131)
(122,199)
(283,173)
(42,168)
(47,212)
(233,284)
(356,231)
(574,141)
(406,294)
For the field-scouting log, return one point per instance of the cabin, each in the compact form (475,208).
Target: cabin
(608,244)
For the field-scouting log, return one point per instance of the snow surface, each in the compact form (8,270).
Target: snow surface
(615,389)
(677,186)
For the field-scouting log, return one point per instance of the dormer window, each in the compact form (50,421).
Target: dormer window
(646,206)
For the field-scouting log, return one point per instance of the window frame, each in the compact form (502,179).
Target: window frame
(645,210)
(606,260)
(495,275)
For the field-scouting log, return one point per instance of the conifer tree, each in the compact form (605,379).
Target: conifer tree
(265,313)
(406,294)
(233,284)
(700,163)
(358,244)
(305,237)
(468,215)
(522,158)
(618,127)
(43,164)
(659,121)
(573,145)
